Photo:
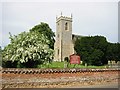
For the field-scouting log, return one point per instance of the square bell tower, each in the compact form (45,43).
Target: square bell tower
(63,46)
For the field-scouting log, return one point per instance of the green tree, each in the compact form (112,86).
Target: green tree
(100,43)
(118,44)
(96,57)
(92,49)
(0,56)
(28,49)
(113,52)
(44,28)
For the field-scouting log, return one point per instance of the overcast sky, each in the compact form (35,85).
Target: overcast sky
(89,18)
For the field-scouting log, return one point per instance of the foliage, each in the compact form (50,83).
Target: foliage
(92,49)
(0,56)
(44,28)
(61,65)
(113,51)
(27,49)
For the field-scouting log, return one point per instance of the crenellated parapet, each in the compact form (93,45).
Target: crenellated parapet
(63,18)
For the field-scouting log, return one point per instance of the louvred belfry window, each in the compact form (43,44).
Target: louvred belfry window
(66,26)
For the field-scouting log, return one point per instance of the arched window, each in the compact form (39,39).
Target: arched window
(66,26)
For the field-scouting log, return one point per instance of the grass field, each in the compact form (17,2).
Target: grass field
(61,65)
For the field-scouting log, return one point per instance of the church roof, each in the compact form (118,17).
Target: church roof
(74,35)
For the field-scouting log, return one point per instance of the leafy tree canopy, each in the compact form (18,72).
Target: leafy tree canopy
(113,51)
(91,49)
(44,28)
(0,56)
(28,49)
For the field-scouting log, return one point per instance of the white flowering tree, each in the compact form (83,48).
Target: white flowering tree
(27,49)
(43,28)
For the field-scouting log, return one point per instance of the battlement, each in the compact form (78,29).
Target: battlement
(63,18)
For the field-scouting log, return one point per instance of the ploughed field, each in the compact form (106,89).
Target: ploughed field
(57,78)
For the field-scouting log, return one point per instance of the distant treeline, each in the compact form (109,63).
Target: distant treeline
(96,50)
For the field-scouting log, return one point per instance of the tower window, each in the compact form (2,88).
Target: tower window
(66,26)
(58,52)
(58,35)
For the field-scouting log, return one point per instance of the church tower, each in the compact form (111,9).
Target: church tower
(63,46)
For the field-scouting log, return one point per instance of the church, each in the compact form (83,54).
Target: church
(64,39)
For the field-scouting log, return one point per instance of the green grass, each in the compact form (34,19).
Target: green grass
(61,65)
